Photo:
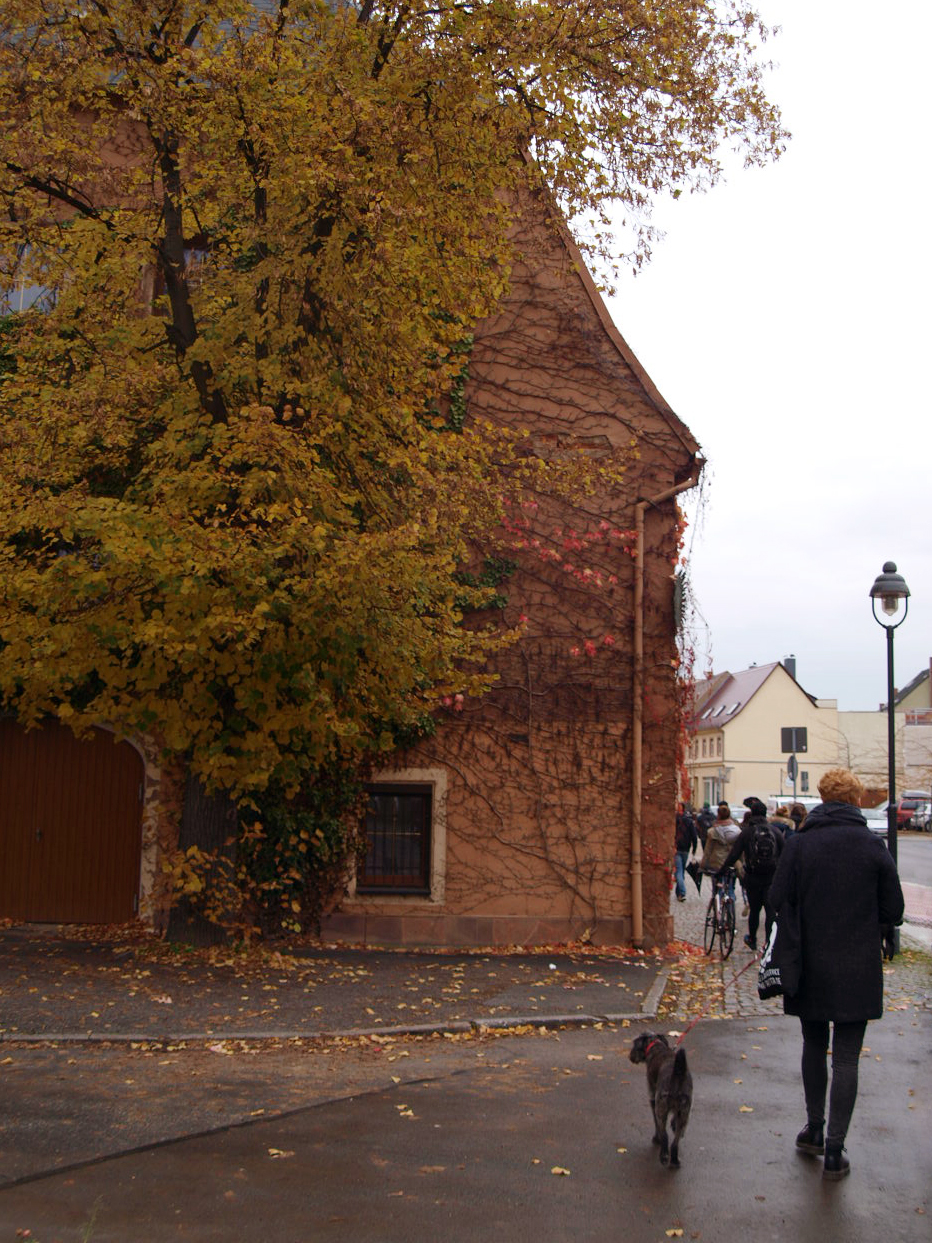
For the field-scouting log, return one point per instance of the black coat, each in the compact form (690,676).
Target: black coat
(743,847)
(847,889)
(686,836)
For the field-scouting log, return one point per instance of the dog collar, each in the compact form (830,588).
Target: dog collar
(651,1045)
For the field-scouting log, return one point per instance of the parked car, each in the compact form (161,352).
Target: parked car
(921,818)
(876,818)
(911,813)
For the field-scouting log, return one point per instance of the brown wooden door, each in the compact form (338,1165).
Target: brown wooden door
(70,825)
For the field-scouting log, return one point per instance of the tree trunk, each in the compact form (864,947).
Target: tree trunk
(208,821)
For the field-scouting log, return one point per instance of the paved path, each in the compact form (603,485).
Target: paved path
(258,1128)
(533,1139)
(55,988)
(733,984)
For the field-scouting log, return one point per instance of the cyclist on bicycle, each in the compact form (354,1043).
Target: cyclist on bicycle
(721,837)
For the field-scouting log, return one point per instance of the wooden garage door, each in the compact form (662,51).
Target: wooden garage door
(70,825)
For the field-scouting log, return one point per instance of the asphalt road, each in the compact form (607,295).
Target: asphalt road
(537,1137)
(534,1139)
(914,858)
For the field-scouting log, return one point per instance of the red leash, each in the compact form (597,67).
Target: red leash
(702,1013)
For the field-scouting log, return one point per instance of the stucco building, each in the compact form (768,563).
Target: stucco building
(863,739)
(745,726)
(744,730)
(540,813)
(544,812)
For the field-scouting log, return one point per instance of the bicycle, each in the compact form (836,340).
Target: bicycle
(720,915)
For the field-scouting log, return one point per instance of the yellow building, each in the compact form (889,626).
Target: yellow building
(863,739)
(747,730)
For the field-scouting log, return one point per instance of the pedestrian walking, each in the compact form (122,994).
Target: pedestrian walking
(704,822)
(798,816)
(686,842)
(782,820)
(759,845)
(844,886)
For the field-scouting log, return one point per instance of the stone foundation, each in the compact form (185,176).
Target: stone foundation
(463,931)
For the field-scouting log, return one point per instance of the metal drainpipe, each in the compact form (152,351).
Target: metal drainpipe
(637,716)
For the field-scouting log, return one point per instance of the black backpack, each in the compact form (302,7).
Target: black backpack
(762,850)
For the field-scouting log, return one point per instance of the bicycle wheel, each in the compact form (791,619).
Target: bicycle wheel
(726,931)
(711,926)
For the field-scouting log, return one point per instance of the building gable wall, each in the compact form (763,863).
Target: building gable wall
(537,816)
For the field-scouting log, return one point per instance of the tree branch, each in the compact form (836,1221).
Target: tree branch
(57,190)
(182,331)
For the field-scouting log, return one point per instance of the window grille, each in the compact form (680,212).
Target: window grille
(398,828)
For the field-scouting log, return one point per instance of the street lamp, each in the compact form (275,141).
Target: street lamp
(890,588)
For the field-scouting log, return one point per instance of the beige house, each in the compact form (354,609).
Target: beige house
(745,729)
(863,739)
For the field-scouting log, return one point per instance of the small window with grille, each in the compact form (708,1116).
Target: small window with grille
(398,828)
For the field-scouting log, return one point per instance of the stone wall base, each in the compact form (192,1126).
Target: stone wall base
(462,931)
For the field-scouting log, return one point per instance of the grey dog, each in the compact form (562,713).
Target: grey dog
(670,1086)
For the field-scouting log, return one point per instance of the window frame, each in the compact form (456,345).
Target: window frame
(394,883)
(434,779)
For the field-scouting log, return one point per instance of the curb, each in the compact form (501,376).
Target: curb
(648,1010)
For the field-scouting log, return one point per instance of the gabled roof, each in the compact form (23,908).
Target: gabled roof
(705,689)
(610,328)
(910,687)
(730,693)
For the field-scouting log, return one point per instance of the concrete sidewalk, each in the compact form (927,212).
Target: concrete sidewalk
(535,1139)
(54,988)
(150,1096)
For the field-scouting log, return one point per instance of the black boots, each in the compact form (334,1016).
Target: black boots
(837,1164)
(810,1139)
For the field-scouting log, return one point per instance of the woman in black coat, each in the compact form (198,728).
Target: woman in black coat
(844,884)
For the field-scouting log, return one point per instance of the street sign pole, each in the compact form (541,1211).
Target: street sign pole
(792,768)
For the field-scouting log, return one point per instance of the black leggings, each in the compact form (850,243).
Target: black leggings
(758,890)
(847,1039)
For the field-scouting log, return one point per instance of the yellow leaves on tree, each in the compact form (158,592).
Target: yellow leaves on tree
(255,241)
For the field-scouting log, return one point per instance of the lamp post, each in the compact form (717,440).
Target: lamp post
(890,588)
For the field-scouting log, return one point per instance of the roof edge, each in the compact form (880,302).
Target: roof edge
(656,398)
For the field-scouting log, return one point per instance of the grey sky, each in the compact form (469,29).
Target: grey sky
(785,317)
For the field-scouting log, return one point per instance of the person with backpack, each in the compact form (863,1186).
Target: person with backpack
(704,822)
(686,841)
(760,845)
(721,837)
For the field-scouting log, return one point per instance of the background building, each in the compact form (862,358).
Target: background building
(747,728)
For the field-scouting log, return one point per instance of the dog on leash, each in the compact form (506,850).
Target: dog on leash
(670,1087)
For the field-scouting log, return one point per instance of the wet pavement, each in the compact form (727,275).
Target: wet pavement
(532,1137)
(150,1094)
(54,988)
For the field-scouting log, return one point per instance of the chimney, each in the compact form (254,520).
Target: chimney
(789,664)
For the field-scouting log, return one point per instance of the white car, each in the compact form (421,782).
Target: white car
(876,818)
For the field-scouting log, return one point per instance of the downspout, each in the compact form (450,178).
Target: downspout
(637,699)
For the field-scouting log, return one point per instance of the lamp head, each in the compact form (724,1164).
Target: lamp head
(889,588)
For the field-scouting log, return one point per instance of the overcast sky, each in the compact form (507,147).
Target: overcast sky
(785,317)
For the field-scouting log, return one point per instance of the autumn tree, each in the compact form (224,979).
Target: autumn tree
(243,246)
